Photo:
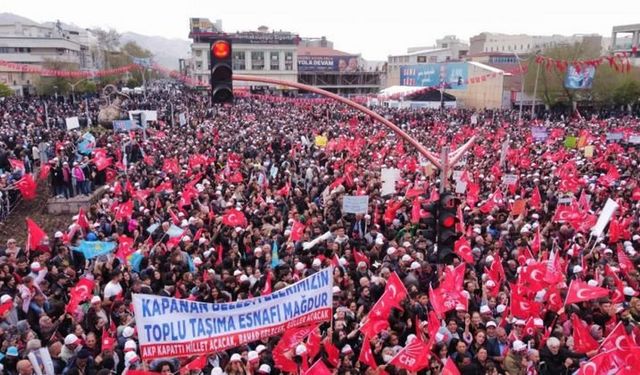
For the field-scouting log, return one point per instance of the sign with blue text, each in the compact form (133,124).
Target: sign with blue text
(171,327)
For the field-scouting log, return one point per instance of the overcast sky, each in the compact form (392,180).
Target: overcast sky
(374,29)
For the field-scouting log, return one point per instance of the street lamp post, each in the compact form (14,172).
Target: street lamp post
(535,90)
(73,88)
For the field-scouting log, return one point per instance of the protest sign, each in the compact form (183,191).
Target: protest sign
(321,140)
(539,133)
(517,208)
(509,179)
(183,119)
(588,152)
(614,137)
(570,142)
(389,177)
(634,139)
(171,327)
(72,123)
(607,212)
(355,204)
(124,126)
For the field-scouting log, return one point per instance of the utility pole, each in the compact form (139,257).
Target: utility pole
(535,92)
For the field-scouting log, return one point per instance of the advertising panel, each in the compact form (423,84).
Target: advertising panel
(452,76)
(327,63)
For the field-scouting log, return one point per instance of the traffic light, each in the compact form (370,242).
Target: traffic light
(427,225)
(447,220)
(221,71)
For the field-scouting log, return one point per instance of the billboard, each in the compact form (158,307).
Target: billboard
(579,80)
(452,75)
(327,63)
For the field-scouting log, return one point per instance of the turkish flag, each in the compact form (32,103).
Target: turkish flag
(414,192)
(536,244)
(102,162)
(197,364)
(450,368)
(462,248)
(390,212)
(141,372)
(373,325)
(283,362)
(581,291)
(267,289)
(522,307)
(234,218)
(35,235)
(395,289)
(17,164)
(626,265)
(236,178)
(123,210)
(359,257)
(125,247)
(318,368)
(635,195)
(171,166)
(536,200)
(82,219)
(366,355)
(44,171)
(314,342)
(333,354)
(294,336)
(81,292)
(583,342)
(618,339)
(494,201)
(27,186)
(413,357)
(6,307)
(297,230)
(285,190)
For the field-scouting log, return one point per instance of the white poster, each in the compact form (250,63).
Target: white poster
(389,178)
(607,212)
(150,115)
(183,119)
(355,204)
(509,179)
(72,123)
(171,327)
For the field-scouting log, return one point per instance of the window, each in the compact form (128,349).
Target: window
(4,49)
(275,61)
(198,65)
(239,62)
(422,59)
(257,60)
(445,45)
(288,61)
(528,46)
(198,53)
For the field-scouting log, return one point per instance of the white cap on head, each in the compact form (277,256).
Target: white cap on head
(127,332)
(629,291)
(71,339)
(406,258)
(216,371)
(391,250)
(131,357)
(316,262)
(235,357)
(484,309)
(5,298)
(253,356)
(519,346)
(260,348)
(577,269)
(415,266)
(491,323)
(264,369)
(130,345)
(301,349)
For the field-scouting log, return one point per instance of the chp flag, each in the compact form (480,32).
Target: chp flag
(171,327)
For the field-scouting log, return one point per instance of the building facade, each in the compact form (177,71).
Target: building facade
(254,53)
(446,49)
(523,43)
(35,44)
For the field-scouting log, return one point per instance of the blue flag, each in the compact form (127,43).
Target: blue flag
(275,260)
(192,267)
(93,249)
(135,260)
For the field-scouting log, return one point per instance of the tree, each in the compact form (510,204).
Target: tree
(627,94)
(108,41)
(55,85)
(5,90)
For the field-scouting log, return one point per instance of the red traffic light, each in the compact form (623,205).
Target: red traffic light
(221,49)
(448,221)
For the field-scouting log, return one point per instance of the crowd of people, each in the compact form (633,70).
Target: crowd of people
(260,157)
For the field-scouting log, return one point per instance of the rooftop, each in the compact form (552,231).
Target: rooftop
(321,51)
